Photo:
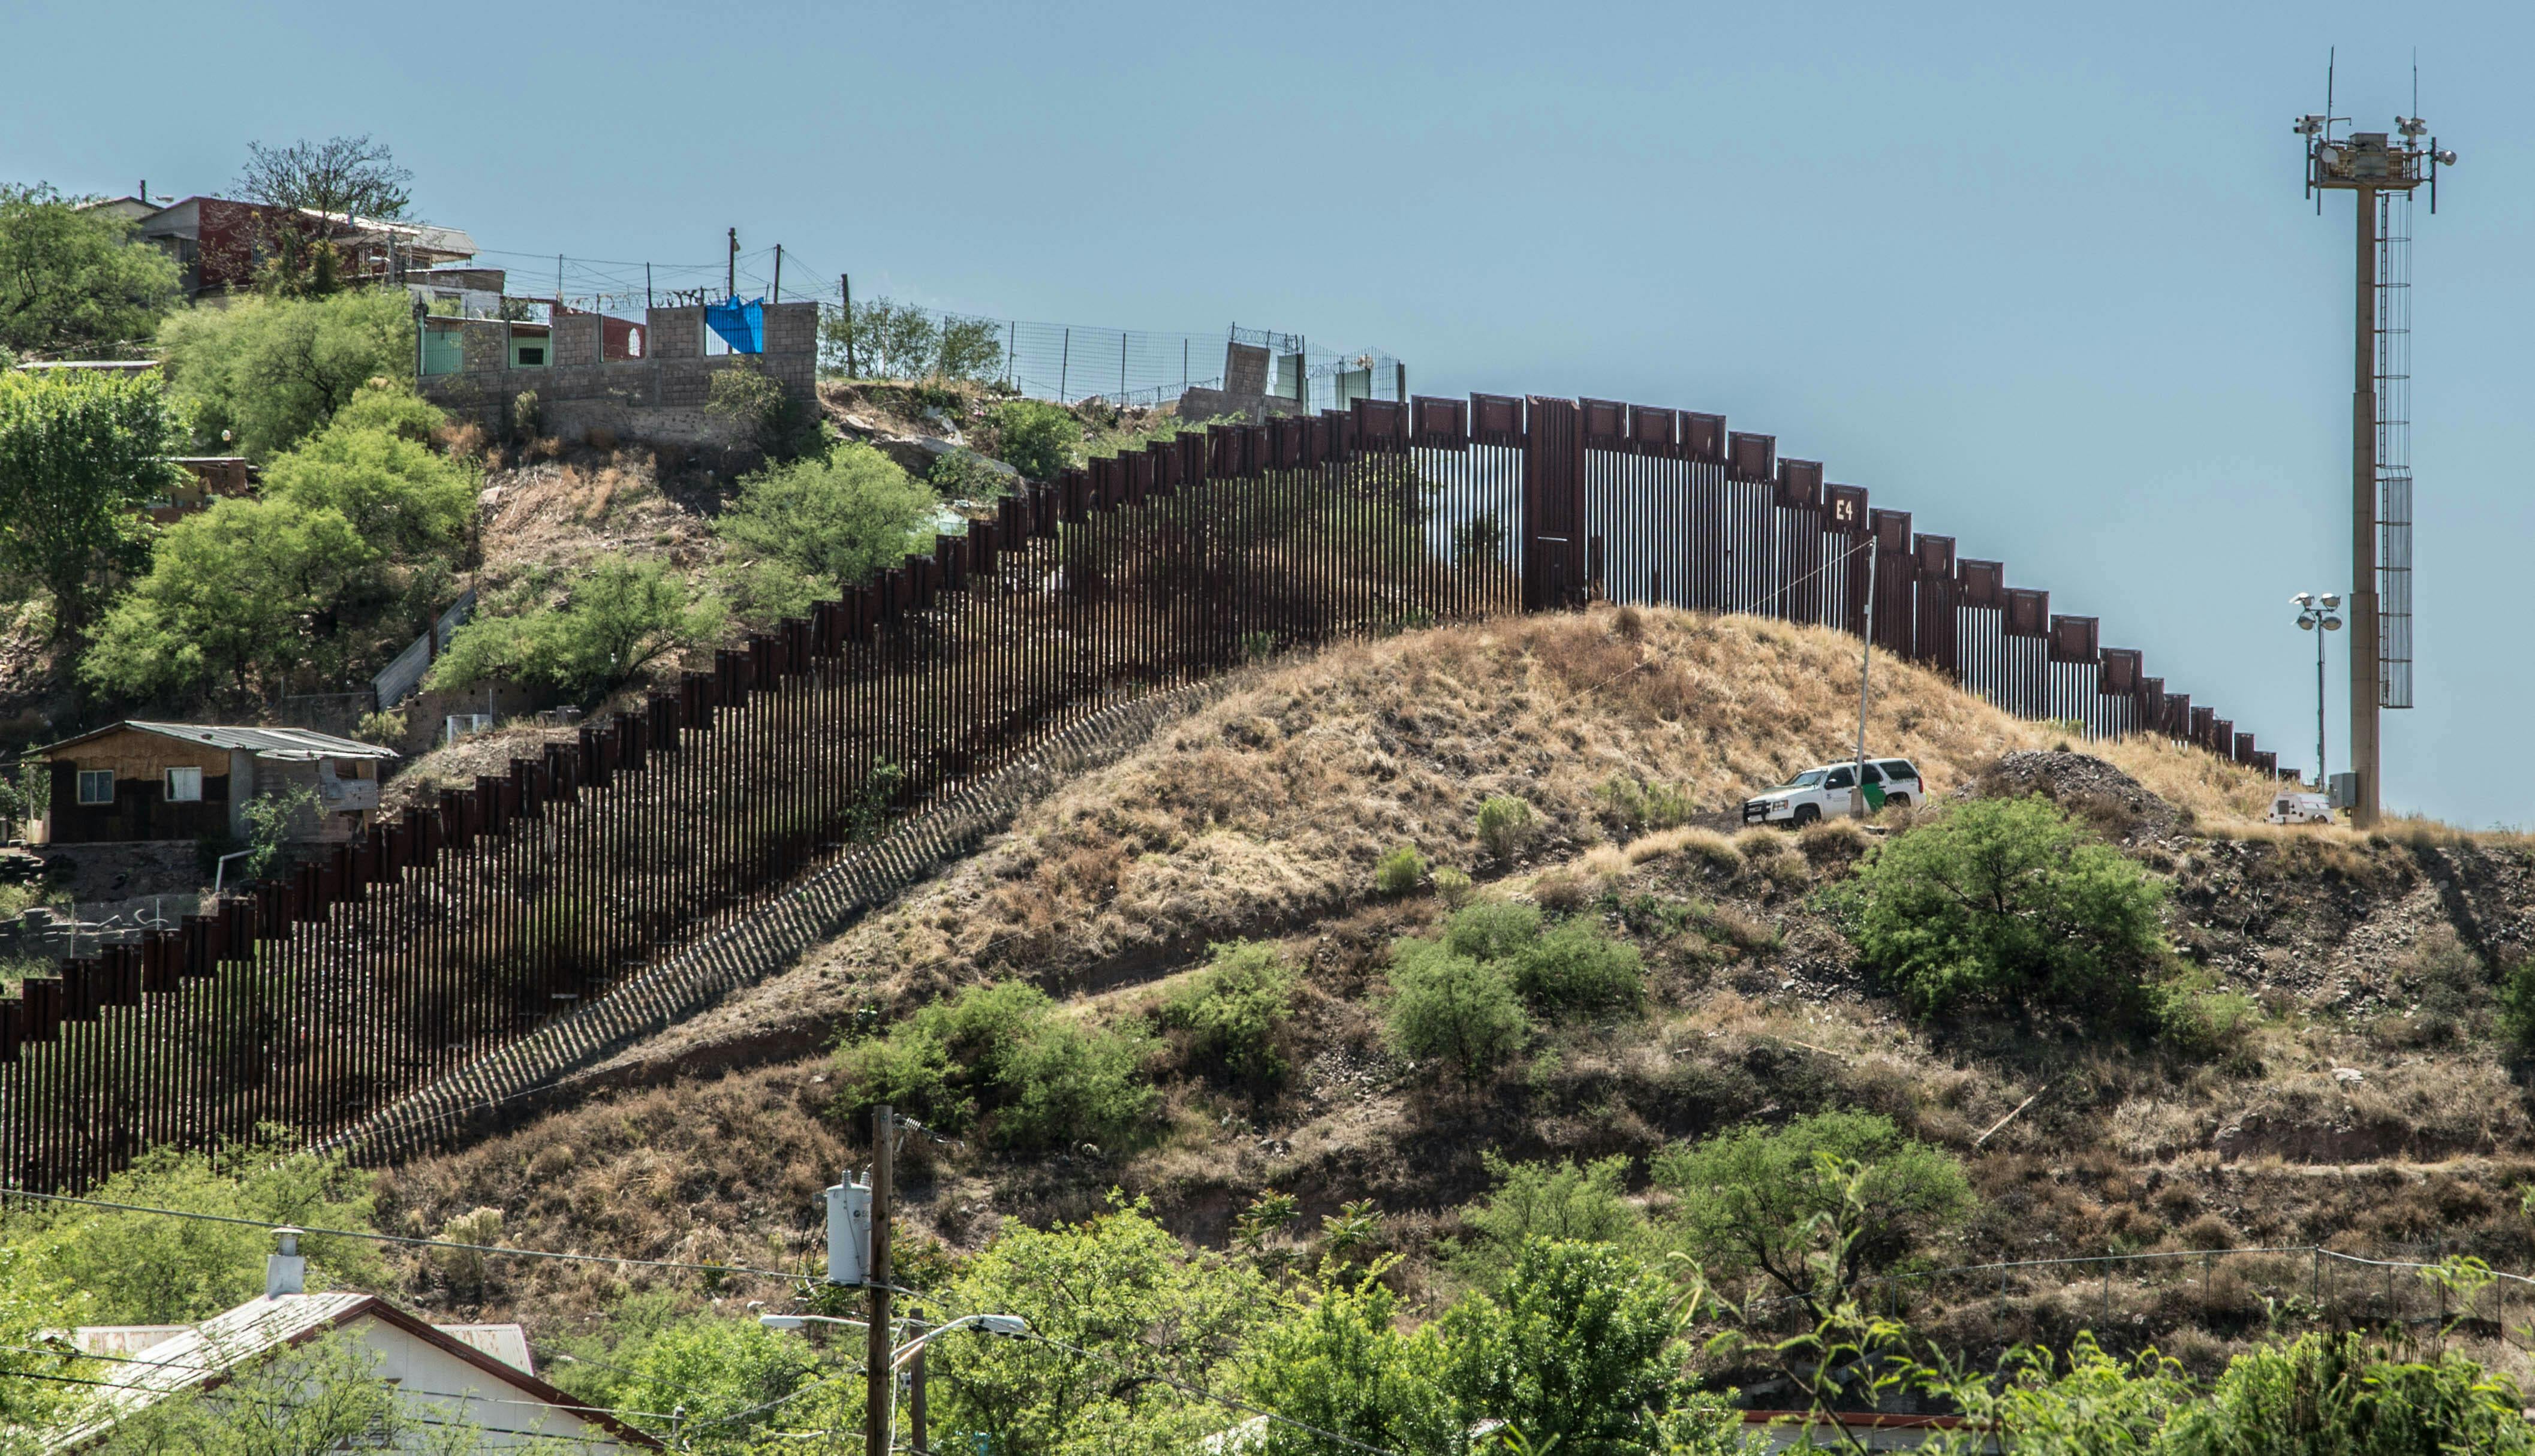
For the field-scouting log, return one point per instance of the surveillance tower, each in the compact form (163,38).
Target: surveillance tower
(2383,170)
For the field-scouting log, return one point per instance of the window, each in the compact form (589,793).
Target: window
(96,786)
(1840,778)
(1874,774)
(1899,768)
(532,356)
(184,785)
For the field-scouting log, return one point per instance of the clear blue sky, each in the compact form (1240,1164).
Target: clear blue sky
(2043,278)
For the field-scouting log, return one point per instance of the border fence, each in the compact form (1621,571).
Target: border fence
(459,926)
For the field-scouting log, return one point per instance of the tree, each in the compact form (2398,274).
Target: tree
(78,458)
(1342,1363)
(369,464)
(723,1375)
(1577,1350)
(841,518)
(73,282)
(319,186)
(236,596)
(351,176)
(615,619)
(1119,1286)
(137,1268)
(899,340)
(36,1362)
(970,348)
(2341,1394)
(271,372)
(1764,1199)
(1453,1009)
(2008,900)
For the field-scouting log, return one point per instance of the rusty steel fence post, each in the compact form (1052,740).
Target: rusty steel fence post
(428,950)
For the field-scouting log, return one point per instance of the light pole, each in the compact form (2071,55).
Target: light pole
(2316,615)
(1011,1326)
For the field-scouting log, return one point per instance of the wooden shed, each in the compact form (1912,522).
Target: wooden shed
(140,781)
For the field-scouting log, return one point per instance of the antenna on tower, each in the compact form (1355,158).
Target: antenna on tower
(2381,171)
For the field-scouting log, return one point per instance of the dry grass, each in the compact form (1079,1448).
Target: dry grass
(1272,806)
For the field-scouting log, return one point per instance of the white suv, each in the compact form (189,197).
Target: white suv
(1833,789)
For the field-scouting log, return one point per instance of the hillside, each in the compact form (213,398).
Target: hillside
(2350,1091)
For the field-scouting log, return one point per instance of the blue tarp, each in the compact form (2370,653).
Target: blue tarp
(742,326)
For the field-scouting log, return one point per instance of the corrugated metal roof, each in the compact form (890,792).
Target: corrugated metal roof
(507,1343)
(264,742)
(272,1322)
(207,1350)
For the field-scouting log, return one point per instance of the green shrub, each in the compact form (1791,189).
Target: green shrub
(1759,1200)
(756,402)
(1545,1200)
(1569,969)
(1493,930)
(2517,1004)
(1639,805)
(2199,1019)
(965,476)
(1576,970)
(527,416)
(2007,901)
(2449,984)
(1452,886)
(1004,1061)
(1039,439)
(843,517)
(1236,1009)
(1505,825)
(616,618)
(764,591)
(1453,1010)
(1400,872)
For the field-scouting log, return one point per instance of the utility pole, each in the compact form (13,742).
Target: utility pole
(845,285)
(879,1380)
(730,268)
(779,272)
(915,1404)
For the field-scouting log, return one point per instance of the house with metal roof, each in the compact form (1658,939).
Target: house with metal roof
(443,1377)
(138,781)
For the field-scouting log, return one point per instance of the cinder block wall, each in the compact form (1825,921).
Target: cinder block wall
(660,396)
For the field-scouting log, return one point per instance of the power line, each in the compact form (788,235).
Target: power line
(1203,1393)
(530,1253)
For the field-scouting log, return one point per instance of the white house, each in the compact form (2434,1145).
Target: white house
(479,1374)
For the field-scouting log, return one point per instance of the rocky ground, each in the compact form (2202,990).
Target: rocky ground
(2361,1100)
